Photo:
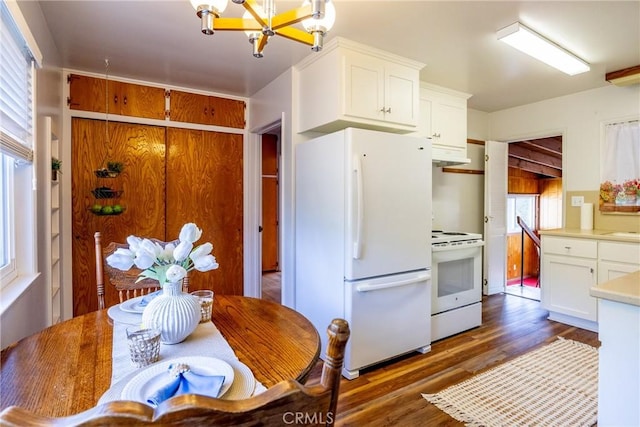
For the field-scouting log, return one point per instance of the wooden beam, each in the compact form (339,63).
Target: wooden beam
(524,153)
(467,171)
(551,145)
(534,167)
(625,77)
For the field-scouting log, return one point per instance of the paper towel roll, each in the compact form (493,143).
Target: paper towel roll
(586,216)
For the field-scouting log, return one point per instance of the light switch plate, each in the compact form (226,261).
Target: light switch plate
(577,200)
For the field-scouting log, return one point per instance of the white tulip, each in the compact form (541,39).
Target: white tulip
(181,252)
(120,261)
(200,251)
(134,243)
(144,260)
(190,233)
(175,273)
(167,253)
(205,263)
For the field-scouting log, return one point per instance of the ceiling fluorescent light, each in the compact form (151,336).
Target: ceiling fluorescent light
(528,41)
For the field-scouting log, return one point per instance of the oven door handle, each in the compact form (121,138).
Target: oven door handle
(368,287)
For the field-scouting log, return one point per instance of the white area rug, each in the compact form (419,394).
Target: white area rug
(555,385)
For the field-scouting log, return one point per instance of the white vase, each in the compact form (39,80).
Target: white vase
(174,312)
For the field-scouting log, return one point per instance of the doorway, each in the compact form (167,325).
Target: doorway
(523,179)
(270,220)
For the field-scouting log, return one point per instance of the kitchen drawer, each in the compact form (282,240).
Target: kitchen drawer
(620,252)
(582,248)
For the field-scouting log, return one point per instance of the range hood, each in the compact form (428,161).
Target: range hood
(443,157)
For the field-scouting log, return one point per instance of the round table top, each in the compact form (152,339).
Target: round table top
(65,369)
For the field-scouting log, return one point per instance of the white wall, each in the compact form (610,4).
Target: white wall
(27,314)
(270,105)
(458,198)
(578,118)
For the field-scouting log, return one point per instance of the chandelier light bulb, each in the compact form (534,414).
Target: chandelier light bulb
(207,10)
(322,24)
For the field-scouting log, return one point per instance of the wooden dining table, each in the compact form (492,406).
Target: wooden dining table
(65,369)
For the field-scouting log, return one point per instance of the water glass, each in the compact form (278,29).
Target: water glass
(144,345)
(205,298)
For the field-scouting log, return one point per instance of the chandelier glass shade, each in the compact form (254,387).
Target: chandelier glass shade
(260,21)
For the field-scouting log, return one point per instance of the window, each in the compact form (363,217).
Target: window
(18,55)
(523,206)
(620,167)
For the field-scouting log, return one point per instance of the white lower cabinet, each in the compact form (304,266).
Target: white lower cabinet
(571,266)
(616,259)
(569,270)
(568,281)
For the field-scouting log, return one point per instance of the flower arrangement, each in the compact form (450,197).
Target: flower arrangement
(170,263)
(631,186)
(608,192)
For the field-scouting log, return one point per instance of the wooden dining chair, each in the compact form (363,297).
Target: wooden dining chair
(286,403)
(124,281)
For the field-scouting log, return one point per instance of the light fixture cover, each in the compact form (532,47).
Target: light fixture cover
(528,41)
(323,24)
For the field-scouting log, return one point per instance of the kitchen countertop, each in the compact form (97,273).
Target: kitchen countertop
(624,289)
(620,236)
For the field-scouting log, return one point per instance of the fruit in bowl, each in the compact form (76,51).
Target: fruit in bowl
(107,210)
(117,209)
(97,208)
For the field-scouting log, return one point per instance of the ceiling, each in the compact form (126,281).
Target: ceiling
(542,157)
(160,41)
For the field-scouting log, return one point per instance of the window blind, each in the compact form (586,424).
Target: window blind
(16,91)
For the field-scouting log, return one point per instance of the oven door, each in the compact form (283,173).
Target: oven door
(456,276)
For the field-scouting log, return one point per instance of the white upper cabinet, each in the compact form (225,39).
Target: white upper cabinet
(349,84)
(443,119)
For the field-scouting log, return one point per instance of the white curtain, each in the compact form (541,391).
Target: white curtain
(621,152)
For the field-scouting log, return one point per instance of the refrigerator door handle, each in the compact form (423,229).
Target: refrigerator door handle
(368,287)
(357,245)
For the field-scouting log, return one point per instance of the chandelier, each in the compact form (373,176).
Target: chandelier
(259,22)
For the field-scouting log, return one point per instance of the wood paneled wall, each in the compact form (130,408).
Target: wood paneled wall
(204,186)
(171,177)
(550,203)
(142,150)
(531,257)
(522,182)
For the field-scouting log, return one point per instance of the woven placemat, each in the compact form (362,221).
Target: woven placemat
(555,385)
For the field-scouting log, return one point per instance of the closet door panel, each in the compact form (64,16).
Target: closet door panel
(204,186)
(142,151)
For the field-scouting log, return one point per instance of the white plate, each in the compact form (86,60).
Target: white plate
(147,381)
(244,383)
(133,305)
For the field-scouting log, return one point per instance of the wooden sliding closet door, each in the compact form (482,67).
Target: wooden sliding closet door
(142,151)
(204,186)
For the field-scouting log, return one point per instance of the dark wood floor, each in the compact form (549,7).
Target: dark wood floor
(390,394)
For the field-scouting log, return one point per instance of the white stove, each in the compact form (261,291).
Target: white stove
(449,239)
(456,273)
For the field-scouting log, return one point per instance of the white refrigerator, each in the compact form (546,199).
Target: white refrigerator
(363,241)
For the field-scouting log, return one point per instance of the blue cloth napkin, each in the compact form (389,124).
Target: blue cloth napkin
(183,381)
(147,298)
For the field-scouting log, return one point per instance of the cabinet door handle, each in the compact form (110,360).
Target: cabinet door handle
(115,99)
(568,248)
(388,110)
(124,100)
(436,135)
